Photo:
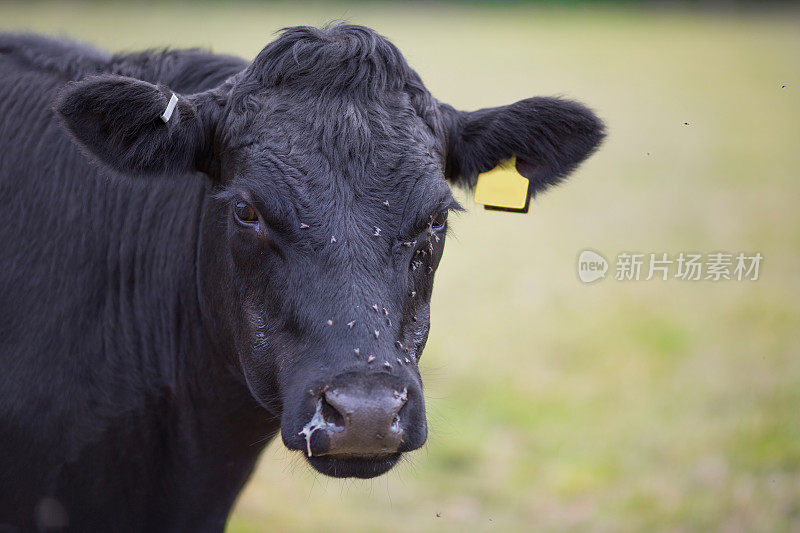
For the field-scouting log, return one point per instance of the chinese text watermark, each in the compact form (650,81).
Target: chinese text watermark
(685,266)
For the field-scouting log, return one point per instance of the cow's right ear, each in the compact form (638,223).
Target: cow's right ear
(131,126)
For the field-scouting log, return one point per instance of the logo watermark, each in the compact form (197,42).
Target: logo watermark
(684,266)
(591,266)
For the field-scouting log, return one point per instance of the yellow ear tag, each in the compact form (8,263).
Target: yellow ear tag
(503,188)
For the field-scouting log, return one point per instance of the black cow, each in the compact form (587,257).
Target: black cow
(177,287)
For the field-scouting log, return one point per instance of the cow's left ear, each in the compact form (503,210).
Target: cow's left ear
(548,136)
(135,126)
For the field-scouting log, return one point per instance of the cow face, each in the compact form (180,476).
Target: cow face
(328,165)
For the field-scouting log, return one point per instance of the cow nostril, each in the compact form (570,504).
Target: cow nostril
(402,399)
(331,414)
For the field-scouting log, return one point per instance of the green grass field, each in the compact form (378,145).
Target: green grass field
(556,405)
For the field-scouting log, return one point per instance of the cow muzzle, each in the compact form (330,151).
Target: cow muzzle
(365,422)
(361,424)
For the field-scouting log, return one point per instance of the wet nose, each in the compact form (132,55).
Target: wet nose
(367,421)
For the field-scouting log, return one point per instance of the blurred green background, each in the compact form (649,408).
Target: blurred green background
(553,404)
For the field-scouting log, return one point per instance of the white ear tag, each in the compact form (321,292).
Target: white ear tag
(167,114)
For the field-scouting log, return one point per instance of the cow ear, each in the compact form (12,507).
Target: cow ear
(132,126)
(549,137)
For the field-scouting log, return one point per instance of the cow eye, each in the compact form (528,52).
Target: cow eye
(438,220)
(244,212)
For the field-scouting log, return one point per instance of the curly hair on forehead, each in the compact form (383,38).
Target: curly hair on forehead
(336,60)
(340,57)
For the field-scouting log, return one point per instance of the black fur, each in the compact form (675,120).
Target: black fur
(117,119)
(549,136)
(152,342)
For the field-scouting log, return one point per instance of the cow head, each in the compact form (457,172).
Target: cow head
(327,164)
